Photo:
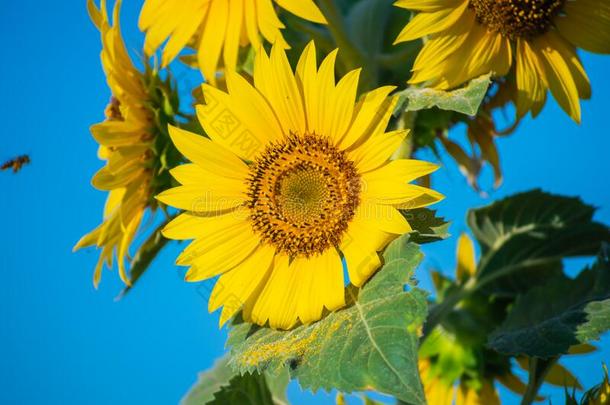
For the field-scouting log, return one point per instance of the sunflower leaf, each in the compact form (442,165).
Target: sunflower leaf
(549,319)
(370,345)
(528,231)
(221,385)
(465,100)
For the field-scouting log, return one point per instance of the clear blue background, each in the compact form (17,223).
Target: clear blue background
(62,342)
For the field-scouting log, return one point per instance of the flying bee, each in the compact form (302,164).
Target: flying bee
(16,164)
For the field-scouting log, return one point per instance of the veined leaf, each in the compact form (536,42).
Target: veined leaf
(247,389)
(549,319)
(220,385)
(208,383)
(371,345)
(465,100)
(533,230)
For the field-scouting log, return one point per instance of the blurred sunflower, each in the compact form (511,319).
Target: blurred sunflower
(458,368)
(213,27)
(537,38)
(439,392)
(128,143)
(295,180)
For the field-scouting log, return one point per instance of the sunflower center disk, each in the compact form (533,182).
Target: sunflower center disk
(303,192)
(517,18)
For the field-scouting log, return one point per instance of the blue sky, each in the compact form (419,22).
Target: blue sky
(62,342)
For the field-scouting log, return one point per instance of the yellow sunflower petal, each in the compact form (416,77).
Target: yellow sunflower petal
(571,59)
(402,170)
(385,217)
(185,226)
(277,302)
(269,24)
(229,249)
(233,34)
(426,5)
(194,175)
(306,9)
(123,252)
(208,154)
(377,150)
(307,75)
(431,22)
(361,262)
(216,199)
(325,83)
(281,89)
(530,77)
(235,287)
(251,23)
(586,24)
(212,39)
(228,125)
(104,179)
(466,262)
(341,110)
(117,133)
(190,16)
(253,109)
(366,116)
(397,193)
(559,77)
(440,46)
(309,301)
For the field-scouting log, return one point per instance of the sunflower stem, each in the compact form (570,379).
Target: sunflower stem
(444,308)
(336,25)
(538,369)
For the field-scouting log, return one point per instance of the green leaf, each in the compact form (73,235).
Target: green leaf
(465,100)
(549,319)
(247,389)
(220,385)
(427,227)
(526,232)
(208,383)
(370,345)
(524,280)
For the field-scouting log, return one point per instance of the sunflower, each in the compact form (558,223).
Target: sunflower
(536,38)
(126,140)
(215,26)
(440,392)
(294,186)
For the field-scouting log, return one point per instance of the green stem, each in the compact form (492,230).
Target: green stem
(538,369)
(321,37)
(438,312)
(444,308)
(336,26)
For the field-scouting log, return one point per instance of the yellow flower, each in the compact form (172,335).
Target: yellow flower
(213,27)
(536,38)
(440,392)
(294,180)
(125,139)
